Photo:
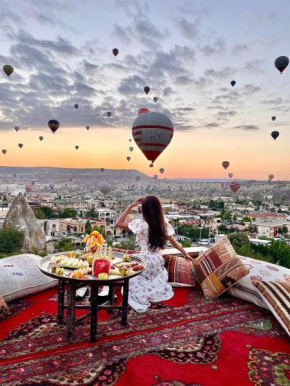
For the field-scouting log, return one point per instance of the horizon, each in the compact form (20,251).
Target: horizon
(188,53)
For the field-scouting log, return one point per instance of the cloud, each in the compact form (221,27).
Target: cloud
(212,125)
(254,66)
(247,127)
(132,85)
(188,29)
(225,72)
(276,101)
(217,48)
(239,49)
(250,89)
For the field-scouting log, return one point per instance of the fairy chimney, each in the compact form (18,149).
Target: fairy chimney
(22,217)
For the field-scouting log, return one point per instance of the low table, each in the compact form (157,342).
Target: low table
(72,284)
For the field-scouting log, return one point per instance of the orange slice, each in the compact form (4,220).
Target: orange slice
(85,239)
(95,233)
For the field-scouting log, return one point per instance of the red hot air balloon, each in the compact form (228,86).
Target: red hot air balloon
(152,133)
(234,186)
(115,51)
(225,164)
(146,89)
(20,145)
(143,110)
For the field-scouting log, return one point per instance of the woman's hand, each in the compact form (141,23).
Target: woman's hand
(186,256)
(136,202)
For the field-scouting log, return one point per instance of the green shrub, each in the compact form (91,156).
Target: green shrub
(11,240)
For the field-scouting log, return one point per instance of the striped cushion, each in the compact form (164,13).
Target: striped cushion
(181,272)
(219,268)
(276,294)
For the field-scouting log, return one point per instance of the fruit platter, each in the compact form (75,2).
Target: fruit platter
(104,264)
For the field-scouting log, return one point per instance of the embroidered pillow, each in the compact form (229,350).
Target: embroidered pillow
(219,268)
(276,294)
(181,272)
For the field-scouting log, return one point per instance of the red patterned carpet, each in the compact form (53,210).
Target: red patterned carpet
(185,341)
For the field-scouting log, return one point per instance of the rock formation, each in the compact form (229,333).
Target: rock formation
(22,217)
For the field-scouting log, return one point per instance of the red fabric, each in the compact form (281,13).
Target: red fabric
(187,340)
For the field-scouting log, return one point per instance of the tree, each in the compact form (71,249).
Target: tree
(88,227)
(44,212)
(99,229)
(64,244)
(11,240)
(185,243)
(67,213)
(127,244)
(234,217)
(92,213)
(193,233)
(238,239)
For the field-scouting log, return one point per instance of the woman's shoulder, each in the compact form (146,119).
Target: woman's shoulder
(137,225)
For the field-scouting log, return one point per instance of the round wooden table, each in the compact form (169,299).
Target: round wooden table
(70,285)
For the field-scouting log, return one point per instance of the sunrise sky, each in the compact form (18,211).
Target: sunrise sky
(186,51)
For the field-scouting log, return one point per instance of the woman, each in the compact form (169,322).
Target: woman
(152,233)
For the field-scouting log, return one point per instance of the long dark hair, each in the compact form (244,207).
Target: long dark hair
(153,215)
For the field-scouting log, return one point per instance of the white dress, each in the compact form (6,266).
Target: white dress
(152,284)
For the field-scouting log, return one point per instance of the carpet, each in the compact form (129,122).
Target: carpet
(185,341)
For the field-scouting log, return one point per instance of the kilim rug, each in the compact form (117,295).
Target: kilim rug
(185,341)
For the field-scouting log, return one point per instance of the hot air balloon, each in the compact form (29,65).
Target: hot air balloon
(275,134)
(233,82)
(273,118)
(137,178)
(270,177)
(152,133)
(281,63)
(51,186)
(88,127)
(16,128)
(76,106)
(224,185)
(128,159)
(234,186)
(115,51)
(155,176)
(14,175)
(162,170)
(77,147)
(225,164)
(27,188)
(130,140)
(109,114)
(146,89)
(143,110)
(41,138)
(230,175)
(8,69)
(33,182)
(105,188)
(131,148)
(4,151)
(155,99)
(20,145)
(53,124)
(102,170)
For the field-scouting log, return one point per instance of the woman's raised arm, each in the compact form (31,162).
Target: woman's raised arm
(176,245)
(121,222)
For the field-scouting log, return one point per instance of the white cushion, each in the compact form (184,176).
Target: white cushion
(260,270)
(20,276)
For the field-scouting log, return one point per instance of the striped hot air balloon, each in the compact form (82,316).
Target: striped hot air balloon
(234,186)
(224,185)
(225,164)
(152,133)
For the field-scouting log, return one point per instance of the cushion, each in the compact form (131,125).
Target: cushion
(276,294)
(4,309)
(219,268)
(20,276)
(260,271)
(181,271)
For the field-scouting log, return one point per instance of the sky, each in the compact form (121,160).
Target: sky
(187,51)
